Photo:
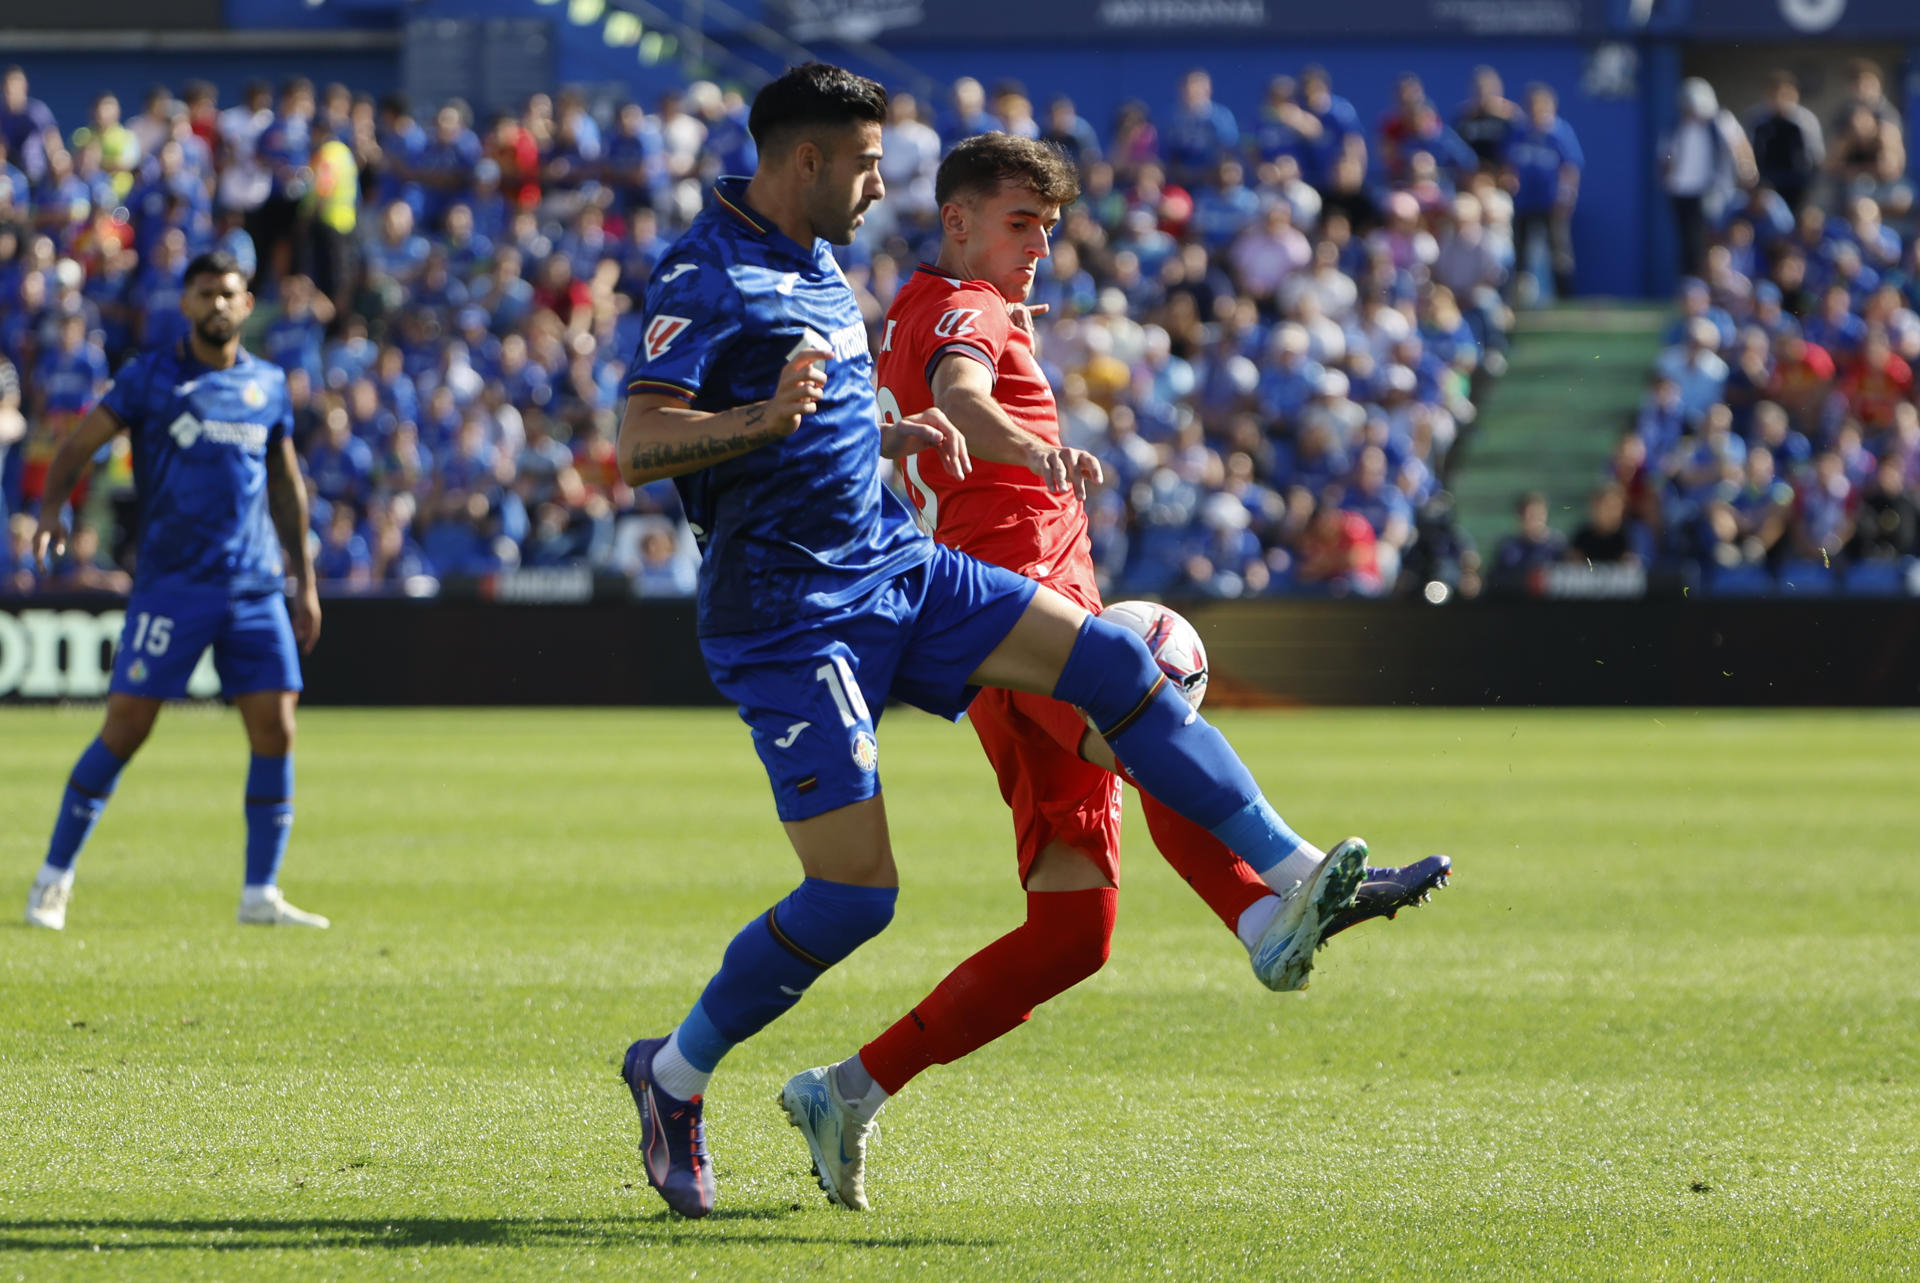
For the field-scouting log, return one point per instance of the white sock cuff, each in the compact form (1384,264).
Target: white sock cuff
(675,1075)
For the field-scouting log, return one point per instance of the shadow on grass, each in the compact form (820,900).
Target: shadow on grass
(241,1234)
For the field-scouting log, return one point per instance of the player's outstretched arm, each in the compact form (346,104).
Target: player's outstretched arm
(287,502)
(99,426)
(963,391)
(661,436)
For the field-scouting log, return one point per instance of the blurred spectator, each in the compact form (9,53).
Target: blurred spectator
(1605,537)
(1487,119)
(1201,132)
(1066,129)
(1789,148)
(26,126)
(1696,369)
(1544,161)
(1869,154)
(1704,160)
(966,113)
(910,155)
(1340,133)
(1340,554)
(1888,526)
(1535,543)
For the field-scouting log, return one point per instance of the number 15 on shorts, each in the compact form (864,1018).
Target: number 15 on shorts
(151,633)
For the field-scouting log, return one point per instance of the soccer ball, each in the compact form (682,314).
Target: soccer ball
(1175,646)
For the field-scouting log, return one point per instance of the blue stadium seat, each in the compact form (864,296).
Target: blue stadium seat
(1739,581)
(1808,579)
(1879,578)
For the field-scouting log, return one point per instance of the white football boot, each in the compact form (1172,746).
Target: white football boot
(266,907)
(834,1132)
(47,902)
(1284,957)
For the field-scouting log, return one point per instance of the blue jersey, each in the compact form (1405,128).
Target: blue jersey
(802,526)
(200,442)
(1537,156)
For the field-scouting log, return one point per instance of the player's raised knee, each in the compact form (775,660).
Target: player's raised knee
(1110,674)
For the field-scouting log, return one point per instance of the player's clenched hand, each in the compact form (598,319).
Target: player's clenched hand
(306,618)
(802,381)
(49,541)
(1064,468)
(929,430)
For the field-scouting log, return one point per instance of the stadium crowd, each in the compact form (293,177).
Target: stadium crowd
(1778,443)
(1267,319)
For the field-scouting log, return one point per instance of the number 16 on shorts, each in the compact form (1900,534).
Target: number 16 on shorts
(852,706)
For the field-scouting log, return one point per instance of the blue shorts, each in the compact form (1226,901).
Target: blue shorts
(167,631)
(803,689)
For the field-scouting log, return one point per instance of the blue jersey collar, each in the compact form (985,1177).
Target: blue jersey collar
(183,352)
(731,195)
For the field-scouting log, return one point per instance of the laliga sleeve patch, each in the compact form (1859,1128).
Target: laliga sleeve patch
(956,322)
(661,332)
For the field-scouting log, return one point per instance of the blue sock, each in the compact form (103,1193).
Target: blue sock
(775,957)
(1168,748)
(88,789)
(269,816)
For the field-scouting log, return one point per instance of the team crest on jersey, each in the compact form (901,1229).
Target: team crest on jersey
(661,332)
(866,751)
(137,671)
(253,395)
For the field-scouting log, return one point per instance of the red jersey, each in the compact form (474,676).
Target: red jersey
(1002,513)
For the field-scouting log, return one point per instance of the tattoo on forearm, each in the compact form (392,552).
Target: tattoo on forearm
(711,448)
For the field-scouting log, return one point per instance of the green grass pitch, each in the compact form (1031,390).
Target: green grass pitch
(1664,1024)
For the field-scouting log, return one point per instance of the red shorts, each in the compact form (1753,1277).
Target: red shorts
(1034,744)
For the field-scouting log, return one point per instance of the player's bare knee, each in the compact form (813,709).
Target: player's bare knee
(127,725)
(269,721)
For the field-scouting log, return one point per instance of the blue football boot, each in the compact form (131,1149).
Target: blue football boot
(1384,892)
(673,1137)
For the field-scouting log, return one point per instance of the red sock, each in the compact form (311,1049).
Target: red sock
(1225,881)
(1063,941)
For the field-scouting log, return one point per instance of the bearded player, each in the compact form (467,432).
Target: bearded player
(220,499)
(959,339)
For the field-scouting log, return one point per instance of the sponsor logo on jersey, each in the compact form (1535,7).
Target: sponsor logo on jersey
(866,753)
(849,341)
(793,733)
(787,281)
(661,332)
(186,430)
(677,271)
(956,322)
